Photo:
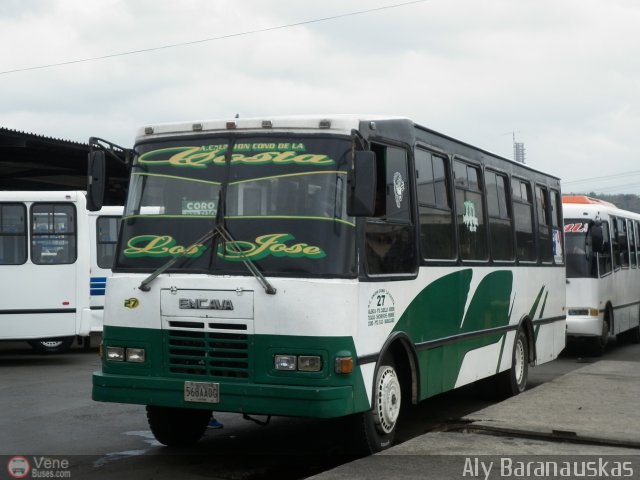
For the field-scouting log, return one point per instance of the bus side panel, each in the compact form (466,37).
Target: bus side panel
(38,301)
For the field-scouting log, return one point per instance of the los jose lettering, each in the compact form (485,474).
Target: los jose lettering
(201,157)
(160,246)
(271,244)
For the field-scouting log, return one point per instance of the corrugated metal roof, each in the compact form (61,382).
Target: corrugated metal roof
(4,130)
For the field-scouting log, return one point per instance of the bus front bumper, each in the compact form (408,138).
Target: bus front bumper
(258,399)
(584,326)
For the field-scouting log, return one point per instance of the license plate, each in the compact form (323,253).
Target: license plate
(201,392)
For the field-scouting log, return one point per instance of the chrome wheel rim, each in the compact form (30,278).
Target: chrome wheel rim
(519,362)
(388,398)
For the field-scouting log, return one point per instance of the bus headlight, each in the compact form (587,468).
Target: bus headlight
(300,363)
(115,354)
(583,312)
(309,363)
(285,362)
(135,355)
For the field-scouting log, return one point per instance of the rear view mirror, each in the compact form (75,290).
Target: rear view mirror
(362,185)
(96,180)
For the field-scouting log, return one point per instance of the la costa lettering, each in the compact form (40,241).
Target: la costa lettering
(160,246)
(271,244)
(202,157)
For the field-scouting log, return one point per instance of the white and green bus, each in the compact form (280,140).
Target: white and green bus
(324,267)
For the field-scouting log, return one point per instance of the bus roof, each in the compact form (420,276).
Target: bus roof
(585,200)
(341,124)
(335,123)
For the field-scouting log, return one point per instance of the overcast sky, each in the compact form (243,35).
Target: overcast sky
(564,75)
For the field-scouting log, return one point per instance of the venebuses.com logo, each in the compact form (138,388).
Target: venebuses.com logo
(19,466)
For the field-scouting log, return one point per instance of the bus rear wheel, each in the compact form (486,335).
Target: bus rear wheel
(177,427)
(52,345)
(376,428)
(514,381)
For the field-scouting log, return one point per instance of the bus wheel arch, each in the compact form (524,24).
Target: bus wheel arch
(52,345)
(401,348)
(394,385)
(526,324)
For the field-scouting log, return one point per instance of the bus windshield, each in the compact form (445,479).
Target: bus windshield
(282,199)
(581,261)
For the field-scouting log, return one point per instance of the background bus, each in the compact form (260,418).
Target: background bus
(55,257)
(603,281)
(325,267)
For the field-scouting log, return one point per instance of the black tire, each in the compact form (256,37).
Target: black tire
(599,344)
(514,381)
(177,427)
(52,345)
(376,429)
(634,334)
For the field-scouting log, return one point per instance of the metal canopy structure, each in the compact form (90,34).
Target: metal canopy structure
(34,162)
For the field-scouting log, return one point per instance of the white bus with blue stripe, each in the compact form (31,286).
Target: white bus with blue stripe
(55,257)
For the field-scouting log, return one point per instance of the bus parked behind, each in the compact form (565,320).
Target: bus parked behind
(55,257)
(603,274)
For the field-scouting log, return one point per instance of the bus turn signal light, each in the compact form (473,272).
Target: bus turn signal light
(344,365)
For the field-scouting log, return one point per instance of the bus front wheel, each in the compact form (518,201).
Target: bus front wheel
(599,344)
(377,427)
(52,345)
(177,427)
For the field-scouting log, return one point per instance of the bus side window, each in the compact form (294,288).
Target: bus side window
(556,222)
(523,214)
(633,241)
(53,233)
(544,230)
(437,237)
(472,233)
(615,244)
(390,239)
(623,241)
(500,220)
(604,259)
(106,239)
(13,234)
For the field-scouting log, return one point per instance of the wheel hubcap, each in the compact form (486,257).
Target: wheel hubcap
(519,361)
(51,343)
(387,399)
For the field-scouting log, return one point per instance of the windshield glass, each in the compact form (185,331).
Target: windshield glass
(284,205)
(581,262)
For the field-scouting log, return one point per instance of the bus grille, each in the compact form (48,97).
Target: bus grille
(196,350)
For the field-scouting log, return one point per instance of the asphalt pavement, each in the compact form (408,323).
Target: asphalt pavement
(582,424)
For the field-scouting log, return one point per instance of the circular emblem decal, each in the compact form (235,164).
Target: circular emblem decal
(398,188)
(18,467)
(131,302)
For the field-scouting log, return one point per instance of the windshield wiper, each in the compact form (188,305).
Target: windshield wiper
(144,286)
(227,238)
(218,231)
